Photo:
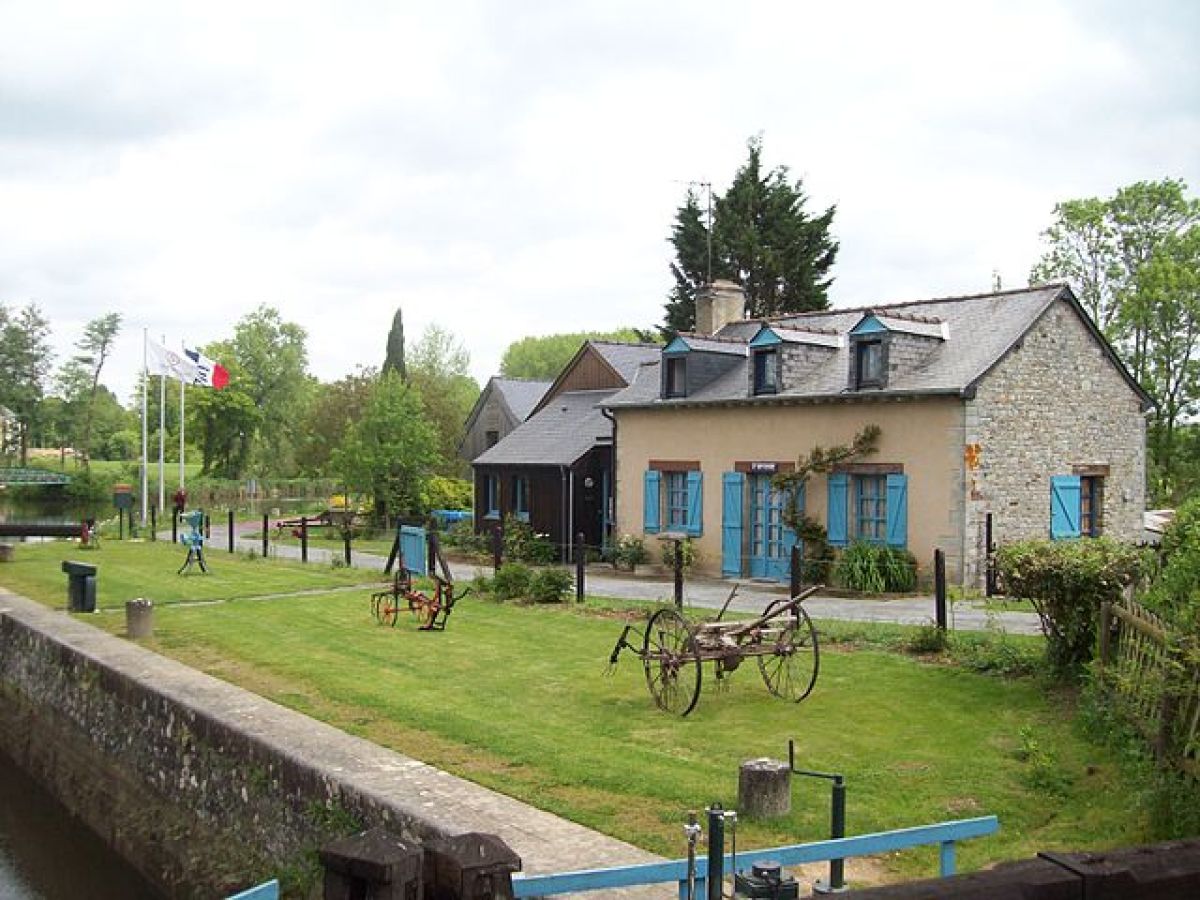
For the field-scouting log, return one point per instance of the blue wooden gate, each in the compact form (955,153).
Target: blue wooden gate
(412,549)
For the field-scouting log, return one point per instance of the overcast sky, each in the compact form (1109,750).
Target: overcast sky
(512,168)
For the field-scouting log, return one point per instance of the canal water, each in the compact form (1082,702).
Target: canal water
(47,854)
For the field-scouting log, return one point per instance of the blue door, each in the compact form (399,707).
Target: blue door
(770,540)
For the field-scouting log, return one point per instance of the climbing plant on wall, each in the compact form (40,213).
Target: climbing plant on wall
(820,461)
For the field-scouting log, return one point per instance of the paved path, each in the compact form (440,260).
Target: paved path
(701,592)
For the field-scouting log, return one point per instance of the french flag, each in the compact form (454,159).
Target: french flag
(209,372)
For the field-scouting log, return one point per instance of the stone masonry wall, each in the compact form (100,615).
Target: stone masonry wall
(1053,405)
(799,361)
(207,788)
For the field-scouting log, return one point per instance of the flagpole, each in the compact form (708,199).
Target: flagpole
(162,433)
(181,434)
(145,430)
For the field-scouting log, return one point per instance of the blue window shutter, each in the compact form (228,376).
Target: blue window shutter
(897,510)
(835,520)
(650,502)
(695,496)
(1064,507)
(732,490)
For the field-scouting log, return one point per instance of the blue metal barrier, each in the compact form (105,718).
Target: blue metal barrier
(413,549)
(943,833)
(267,891)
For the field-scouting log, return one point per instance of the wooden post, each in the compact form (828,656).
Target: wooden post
(230,536)
(580,553)
(764,788)
(497,547)
(678,574)
(1105,635)
(989,585)
(796,580)
(304,539)
(939,587)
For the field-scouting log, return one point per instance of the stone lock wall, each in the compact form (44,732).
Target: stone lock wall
(1055,405)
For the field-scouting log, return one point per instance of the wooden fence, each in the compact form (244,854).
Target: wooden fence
(1157,690)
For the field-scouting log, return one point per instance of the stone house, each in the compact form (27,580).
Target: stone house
(1009,404)
(502,405)
(554,470)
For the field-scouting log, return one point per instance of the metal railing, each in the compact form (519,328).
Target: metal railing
(945,834)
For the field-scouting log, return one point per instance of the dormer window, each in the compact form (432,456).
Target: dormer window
(676,377)
(868,363)
(766,371)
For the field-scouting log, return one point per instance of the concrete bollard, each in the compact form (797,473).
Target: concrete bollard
(764,788)
(6,552)
(139,619)
(471,866)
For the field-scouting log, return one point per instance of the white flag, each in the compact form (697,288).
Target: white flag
(161,361)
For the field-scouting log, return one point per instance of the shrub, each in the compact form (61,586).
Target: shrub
(462,535)
(443,492)
(550,585)
(512,582)
(629,552)
(1175,594)
(1067,581)
(523,544)
(928,639)
(690,554)
(872,568)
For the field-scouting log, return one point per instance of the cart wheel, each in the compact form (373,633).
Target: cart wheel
(388,611)
(377,607)
(790,671)
(672,662)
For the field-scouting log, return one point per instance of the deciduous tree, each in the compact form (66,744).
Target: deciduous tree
(543,358)
(25,362)
(438,367)
(80,377)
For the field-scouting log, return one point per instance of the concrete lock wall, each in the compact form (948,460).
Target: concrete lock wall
(207,788)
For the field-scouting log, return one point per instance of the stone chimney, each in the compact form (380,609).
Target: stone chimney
(717,305)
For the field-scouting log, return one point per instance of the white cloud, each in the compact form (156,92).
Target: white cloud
(505,169)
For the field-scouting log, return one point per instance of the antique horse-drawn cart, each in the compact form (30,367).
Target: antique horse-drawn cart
(673,651)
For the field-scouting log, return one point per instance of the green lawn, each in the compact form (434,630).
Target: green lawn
(513,697)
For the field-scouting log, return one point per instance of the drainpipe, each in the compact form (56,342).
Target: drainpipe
(612,486)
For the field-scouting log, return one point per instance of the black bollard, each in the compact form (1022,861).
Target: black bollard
(715,880)
(206,520)
(679,574)
(120,524)
(265,531)
(497,547)
(175,527)
(153,523)
(796,580)
(939,587)
(580,554)
(346,540)
(304,539)
(230,530)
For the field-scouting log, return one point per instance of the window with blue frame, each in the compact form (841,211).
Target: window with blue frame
(766,371)
(673,499)
(520,498)
(676,500)
(868,363)
(491,496)
(870,508)
(1076,506)
(676,380)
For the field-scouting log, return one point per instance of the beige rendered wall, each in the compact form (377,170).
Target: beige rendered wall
(925,435)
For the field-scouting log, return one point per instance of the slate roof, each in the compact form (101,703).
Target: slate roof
(559,434)
(520,394)
(980,330)
(626,358)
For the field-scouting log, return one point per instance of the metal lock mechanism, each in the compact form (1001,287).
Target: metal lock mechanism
(766,880)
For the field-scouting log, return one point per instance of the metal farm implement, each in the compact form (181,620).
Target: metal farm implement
(673,651)
(430,610)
